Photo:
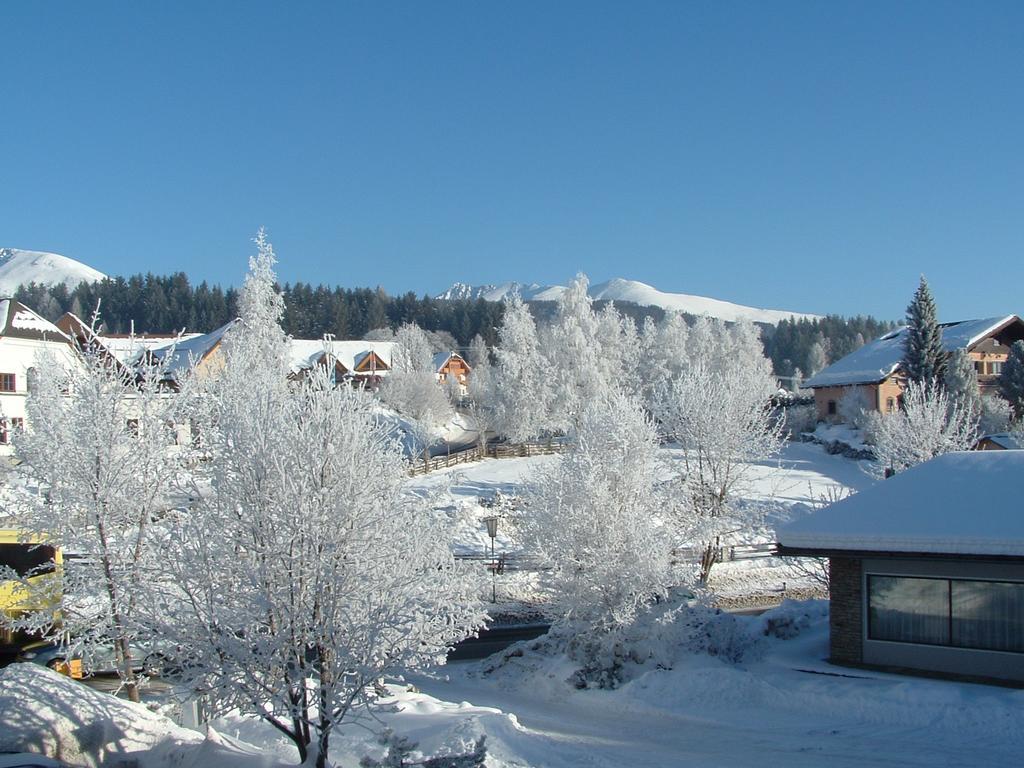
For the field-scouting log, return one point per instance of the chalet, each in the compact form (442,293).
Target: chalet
(875,371)
(452,364)
(363,363)
(25,340)
(926,568)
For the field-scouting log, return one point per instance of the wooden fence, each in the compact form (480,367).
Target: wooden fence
(495,451)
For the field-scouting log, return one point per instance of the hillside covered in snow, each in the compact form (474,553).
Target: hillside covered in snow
(633,291)
(18,267)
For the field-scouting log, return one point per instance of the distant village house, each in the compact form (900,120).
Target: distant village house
(875,372)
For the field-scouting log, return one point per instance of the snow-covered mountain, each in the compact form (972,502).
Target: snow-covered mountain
(528,292)
(633,291)
(18,267)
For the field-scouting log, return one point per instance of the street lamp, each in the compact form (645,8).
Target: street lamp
(492,531)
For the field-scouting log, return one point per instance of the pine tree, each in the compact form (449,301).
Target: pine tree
(923,357)
(1011,380)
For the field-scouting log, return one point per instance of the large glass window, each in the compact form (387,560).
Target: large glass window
(984,615)
(908,610)
(988,614)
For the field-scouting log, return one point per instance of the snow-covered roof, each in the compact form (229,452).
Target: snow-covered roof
(128,349)
(19,321)
(180,356)
(880,358)
(305,352)
(1005,440)
(960,503)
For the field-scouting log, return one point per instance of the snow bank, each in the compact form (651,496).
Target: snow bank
(45,713)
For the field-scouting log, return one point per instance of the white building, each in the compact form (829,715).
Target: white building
(26,341)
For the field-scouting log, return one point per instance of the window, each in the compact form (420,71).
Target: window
(979,367)
(962,613)
(890,404)
(7,382)
(995,367)
(831,407)
(7,426)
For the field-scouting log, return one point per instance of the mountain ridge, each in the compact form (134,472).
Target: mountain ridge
(633,291)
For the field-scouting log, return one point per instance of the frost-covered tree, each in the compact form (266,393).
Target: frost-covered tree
(1011,380)
(596,518)
(854,407)
(304,572)
(924,357)
(483,399)
(996,415)
(573,351)
(100,453)
(412,387)
(413,352)
(719,411)
(961,381)
(478,353)
(619,353)
(522,380)
(816,358)
(929,424)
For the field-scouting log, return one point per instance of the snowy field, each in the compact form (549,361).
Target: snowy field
(788,485)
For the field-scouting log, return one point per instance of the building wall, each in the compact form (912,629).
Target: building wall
(17,356)
(883,397)
(988,357)
(845,610)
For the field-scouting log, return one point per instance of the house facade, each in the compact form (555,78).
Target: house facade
(26,341)
(452,365)
(926,568)
(874,373)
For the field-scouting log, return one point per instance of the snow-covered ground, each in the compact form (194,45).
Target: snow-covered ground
(780,704)
(784,707)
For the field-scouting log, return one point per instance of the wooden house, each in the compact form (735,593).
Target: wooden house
(875,372)
(452,364)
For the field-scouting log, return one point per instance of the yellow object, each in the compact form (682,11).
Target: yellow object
(41,592)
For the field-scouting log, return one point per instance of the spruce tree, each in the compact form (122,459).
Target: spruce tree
(923,356)
(1011,380)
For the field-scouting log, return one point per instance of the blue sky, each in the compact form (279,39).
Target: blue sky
(805,156)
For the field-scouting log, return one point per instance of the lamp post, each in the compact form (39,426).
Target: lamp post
(492,531)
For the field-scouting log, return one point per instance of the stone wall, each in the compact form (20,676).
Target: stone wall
(845,610)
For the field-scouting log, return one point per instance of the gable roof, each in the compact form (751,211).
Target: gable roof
(880,358)
(20,322)
(304,353)
(180,356)
(126,349)
(441,360)
(965,503)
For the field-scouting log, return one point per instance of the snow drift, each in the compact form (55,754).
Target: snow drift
(48,714)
